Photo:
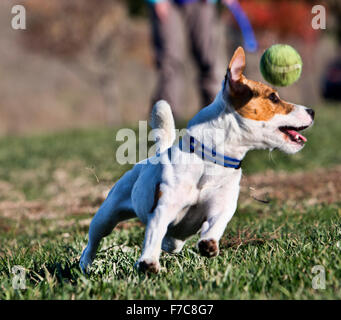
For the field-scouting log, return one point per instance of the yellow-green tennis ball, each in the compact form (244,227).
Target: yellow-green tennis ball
(281,65)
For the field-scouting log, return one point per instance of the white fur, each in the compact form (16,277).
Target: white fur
(193,200)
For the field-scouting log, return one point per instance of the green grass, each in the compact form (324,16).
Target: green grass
(267,252)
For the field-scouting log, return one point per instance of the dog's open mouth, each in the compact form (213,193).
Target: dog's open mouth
(293,134)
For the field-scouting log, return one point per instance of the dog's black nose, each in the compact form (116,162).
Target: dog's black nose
(311,112)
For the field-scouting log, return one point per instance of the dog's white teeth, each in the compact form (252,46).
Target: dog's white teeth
(297,137)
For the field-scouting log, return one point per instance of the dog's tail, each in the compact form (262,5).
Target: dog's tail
(162,122)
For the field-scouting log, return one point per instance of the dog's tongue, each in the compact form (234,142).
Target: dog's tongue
(295,134)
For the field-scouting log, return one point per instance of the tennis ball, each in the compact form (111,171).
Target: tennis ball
(281,65)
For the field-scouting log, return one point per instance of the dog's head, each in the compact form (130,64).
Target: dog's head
(265,120)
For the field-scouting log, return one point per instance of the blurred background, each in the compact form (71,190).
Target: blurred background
(82,70)
(87,63)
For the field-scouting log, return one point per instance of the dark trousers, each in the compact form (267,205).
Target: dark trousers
(199,22)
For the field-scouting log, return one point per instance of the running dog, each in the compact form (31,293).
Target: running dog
(198,194)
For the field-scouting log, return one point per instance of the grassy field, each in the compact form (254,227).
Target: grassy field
(50,187)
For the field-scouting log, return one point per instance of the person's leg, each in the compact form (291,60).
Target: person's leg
(201,23)
(169,57)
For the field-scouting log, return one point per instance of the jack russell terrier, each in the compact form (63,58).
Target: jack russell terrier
(177,199)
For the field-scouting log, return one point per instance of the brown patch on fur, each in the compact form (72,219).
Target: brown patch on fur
(157,196)
(251,99)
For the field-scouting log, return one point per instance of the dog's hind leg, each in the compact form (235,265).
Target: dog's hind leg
(101,225)
(116,208)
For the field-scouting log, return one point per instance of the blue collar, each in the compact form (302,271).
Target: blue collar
(211,155)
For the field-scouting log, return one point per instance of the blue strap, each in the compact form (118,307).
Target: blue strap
(208,154)
(212,155)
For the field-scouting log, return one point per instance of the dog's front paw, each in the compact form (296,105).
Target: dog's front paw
(148,265)
(208,248)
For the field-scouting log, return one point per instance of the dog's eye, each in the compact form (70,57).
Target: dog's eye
(273,98)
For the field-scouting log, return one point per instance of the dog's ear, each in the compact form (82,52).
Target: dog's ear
(237,65)
(236,68)
(239,93)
